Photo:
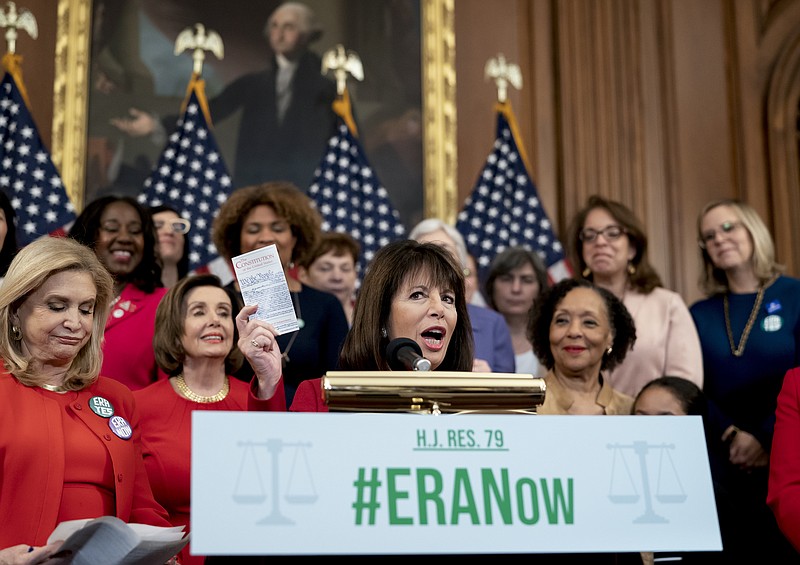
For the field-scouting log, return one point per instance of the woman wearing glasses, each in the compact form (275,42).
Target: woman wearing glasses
(608,246)
(749,329)
(121,233)
(173,253)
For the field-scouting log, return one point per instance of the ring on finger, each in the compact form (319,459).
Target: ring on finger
(255,343)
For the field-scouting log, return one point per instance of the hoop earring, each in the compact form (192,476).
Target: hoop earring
(586,272)
(16,333)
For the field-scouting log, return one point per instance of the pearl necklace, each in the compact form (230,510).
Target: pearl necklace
(739,351)
(194,397)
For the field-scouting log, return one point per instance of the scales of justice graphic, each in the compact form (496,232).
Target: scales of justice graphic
(249,487)
(668,484)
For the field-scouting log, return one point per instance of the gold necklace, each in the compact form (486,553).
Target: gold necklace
(53,388)
(194,397)
(738,351)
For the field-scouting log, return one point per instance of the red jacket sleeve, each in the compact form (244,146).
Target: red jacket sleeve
(308,397)
(784,471)
(277,403)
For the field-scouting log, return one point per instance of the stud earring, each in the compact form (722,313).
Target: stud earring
(384,333)
(631,269)
(16,333)
(586,272)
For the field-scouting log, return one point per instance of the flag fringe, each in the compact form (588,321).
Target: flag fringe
(198,85)
(507,111)
(344,109)
(12,62)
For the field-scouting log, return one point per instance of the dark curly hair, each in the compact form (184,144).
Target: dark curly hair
(288,202)
(86,229)
(541,318)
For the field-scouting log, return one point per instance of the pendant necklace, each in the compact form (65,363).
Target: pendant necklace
(296,303)
(738,351)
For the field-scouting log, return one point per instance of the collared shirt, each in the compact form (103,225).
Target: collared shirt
(283,84)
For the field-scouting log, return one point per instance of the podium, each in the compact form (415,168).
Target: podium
(367,478)
(440,392)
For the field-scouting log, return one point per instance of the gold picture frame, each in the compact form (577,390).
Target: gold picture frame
(71,107)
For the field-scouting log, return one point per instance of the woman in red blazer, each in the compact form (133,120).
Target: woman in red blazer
(783,495)
(200,362)
(69,438)
(122,234)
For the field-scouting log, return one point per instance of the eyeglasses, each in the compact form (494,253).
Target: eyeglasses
(611,233)
(178,225)
(708,237)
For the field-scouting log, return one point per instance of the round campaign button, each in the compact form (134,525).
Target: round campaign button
(772,323)
(120,427)
(101,406)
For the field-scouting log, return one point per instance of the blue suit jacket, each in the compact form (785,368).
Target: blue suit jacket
(492,339)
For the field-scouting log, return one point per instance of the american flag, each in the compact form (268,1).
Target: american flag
(27,173)
(504,209)
(350,197)
(191,177)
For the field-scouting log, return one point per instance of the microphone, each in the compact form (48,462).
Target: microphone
(404,354)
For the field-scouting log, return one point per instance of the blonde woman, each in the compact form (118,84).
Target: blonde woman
(749,330)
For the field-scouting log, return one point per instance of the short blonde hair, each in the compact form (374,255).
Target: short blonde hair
(714,280)
(33,265)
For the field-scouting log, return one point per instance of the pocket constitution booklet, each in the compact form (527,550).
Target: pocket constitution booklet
(111,541)
(263,282)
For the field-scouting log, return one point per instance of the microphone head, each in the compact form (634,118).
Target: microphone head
(393,349)
(394,346)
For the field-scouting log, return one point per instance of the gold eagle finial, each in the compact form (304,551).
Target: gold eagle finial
(13,21)
(342,63)
(199,41)
(503,73)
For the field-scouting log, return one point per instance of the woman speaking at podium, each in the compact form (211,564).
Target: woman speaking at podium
(411,290)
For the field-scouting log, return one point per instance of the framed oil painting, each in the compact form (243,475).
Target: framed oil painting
(127,68)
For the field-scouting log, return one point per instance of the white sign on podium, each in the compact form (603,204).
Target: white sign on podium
(366,484)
